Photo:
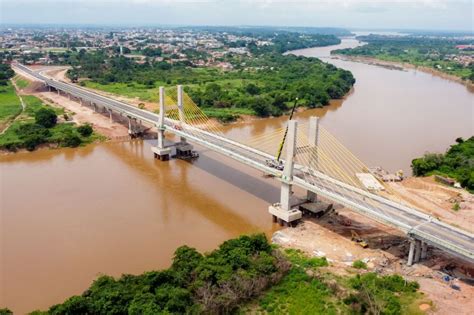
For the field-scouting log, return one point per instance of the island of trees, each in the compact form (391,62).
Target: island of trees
(451,55)
(457,163)
(244,275)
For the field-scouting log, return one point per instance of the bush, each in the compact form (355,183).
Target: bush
(359,264)
(46,117)
(85,130)
(32,135)
(213,283)
(5,311)
(70,139)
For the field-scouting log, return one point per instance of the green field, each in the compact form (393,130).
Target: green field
(11,139)
(21,83)
(10,105)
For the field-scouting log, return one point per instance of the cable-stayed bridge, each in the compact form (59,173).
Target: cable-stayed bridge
(313,160)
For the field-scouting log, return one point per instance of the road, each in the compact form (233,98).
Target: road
(411,221)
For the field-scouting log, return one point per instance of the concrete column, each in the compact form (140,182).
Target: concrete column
(424,250)
(287,175)
(411,253)
(313,134)
(49,88)
(129,125)
(160,151)
(110,116)
(417,251)
(58,92)
(161,121)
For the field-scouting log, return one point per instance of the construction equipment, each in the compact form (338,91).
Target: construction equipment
(358,240)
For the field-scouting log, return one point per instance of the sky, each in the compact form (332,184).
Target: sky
(361,14)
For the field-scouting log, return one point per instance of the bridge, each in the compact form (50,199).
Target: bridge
(313,160)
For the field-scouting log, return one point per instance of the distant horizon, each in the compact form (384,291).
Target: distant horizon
(113,25)
(431,15)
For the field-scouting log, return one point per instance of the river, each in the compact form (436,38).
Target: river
(68,215)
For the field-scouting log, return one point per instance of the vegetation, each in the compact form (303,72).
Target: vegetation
(38,125)
(244,275)
(6,73)
(212,283)
(433,52)
(10,105)
(359,264)
(265,83)
(5,311)
(457,163)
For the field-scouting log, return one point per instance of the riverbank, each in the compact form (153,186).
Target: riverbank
(249,275)
(393,65)
(40,123)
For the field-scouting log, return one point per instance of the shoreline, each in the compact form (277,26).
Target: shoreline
(394,65)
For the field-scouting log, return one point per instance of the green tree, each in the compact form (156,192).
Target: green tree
(46,117)
(85,130)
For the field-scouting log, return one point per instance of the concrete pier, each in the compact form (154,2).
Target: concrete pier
(282,212)
(411,253)
(160,151)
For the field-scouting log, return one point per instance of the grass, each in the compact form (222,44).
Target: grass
(359,264)
(308,289)
(131,90)
(21,83)
(10,105)
(10,138)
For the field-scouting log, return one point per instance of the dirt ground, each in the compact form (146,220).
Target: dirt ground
(438,200)
(330,236)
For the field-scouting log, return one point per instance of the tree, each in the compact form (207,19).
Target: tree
(426,164)
(85,130)
(46,117)
(70,139)
(261,106)
(252,89)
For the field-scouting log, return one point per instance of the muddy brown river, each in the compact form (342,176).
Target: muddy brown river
(70,215)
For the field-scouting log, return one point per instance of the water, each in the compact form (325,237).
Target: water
(69,215)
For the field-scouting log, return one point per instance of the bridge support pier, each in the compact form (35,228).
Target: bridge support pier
(110,116)
(282,212)
(424,250)
(160,151)
(183,148)
(411,253)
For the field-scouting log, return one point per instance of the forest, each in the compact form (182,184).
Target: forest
(439,53)
(457,163)
(244,275)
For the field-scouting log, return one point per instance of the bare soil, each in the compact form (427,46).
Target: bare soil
(330,236)
(438,200)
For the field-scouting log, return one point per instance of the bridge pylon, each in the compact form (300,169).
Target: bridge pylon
(160,151)
(282,212)
(183,148)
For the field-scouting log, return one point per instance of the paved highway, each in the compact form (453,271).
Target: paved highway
(413,222)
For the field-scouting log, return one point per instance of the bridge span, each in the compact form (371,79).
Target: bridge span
(422,229)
